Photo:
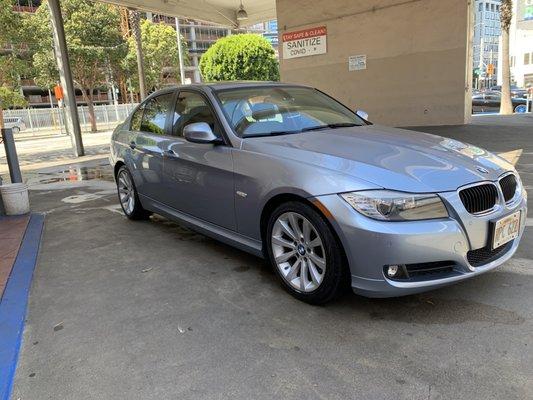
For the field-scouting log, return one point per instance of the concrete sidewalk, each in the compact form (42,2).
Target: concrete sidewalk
(151,310)
(48,151)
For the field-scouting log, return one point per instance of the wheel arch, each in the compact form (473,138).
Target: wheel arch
(281,198)
(117,166)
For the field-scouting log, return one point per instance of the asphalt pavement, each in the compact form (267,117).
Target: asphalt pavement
(151,310)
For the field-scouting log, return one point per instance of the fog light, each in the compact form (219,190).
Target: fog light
(393,270)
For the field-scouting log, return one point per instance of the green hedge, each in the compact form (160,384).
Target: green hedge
(245,56)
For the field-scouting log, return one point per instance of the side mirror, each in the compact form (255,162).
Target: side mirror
(200,132)
(362,114)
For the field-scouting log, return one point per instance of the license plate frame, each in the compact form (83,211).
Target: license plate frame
(498,226)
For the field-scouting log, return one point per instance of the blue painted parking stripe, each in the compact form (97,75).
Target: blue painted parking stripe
(14,303)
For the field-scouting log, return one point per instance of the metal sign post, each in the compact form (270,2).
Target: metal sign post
(11,155)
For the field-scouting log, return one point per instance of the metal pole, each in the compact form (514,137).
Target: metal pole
(11,156)
(65,75)
(180,51)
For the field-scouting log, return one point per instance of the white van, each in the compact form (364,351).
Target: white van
(15,123)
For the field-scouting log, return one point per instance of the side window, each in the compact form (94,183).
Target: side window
(190,108)
(136,119)
(155,114)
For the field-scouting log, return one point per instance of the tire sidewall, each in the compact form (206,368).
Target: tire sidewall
(138,211)
(335,268)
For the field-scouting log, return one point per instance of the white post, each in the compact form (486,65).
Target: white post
(29,118)
(180,51)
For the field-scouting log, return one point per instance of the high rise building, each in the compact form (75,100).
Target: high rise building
(487,32)
(521,44)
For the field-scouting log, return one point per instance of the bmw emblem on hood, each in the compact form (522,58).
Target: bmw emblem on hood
(482,170)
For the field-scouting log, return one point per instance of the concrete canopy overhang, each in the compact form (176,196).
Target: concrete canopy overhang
(216,11)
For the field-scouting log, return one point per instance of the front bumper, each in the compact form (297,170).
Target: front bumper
(370,245)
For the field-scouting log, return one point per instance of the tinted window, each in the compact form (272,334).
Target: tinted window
(155,114)
(190,108)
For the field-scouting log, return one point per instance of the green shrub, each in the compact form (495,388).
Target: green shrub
(240,57)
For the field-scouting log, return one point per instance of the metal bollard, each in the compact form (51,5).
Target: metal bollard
(11,155)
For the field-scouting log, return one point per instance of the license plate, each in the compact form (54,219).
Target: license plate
(506,229)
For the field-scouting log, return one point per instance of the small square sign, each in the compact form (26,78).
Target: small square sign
(357,63)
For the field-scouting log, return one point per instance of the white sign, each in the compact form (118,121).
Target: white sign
(356,63)
(307,42)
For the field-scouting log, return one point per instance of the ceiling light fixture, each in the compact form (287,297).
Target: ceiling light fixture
(241,13)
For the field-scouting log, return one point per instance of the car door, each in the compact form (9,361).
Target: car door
(478,102)
(199,176)
(147,143)
(492,102)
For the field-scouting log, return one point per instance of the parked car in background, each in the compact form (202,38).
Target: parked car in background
(490,102)
(15,123)
(331,200)
(515,91)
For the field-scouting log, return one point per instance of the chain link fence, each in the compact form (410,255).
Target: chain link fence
(53,119)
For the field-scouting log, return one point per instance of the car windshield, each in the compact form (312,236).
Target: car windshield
(279,110)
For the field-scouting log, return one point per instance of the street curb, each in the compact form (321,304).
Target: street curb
(14,302)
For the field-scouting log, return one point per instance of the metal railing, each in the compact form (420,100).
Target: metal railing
(52,119)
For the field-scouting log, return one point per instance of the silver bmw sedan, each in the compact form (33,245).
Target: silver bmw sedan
(290,174)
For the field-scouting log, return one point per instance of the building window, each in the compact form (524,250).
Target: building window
(481,6)
(487,6)
(527,58)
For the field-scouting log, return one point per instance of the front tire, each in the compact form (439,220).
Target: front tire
(520,109)
(305,253)
(128,196)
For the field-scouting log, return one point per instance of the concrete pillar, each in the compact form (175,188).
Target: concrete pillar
(65,76)
(418,58)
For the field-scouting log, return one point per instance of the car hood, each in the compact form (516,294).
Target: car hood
(391,158)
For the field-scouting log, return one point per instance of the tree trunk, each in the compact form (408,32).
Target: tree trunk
(506,105)
(135,23)
(90,108)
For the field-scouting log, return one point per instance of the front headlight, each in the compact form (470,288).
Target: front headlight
(388,205)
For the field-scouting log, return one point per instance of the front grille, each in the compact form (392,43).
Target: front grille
(508,184)
(485,255)
(480,198)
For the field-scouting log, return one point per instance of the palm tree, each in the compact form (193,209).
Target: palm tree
(506,15)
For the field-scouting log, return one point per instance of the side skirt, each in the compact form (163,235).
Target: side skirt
(227,236)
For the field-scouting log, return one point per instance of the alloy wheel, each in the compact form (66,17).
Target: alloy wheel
(126,192)
(298,252)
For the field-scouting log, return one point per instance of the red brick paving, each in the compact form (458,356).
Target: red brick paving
(11,233)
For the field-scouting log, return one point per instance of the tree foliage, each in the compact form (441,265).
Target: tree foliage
(94,42)
(240,57)
(11,98)
(11,65)
(160,51)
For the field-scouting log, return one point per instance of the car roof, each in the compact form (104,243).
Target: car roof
(223,85)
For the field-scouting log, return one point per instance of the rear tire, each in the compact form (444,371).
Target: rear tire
(128,196)
(15,130)
(306,254)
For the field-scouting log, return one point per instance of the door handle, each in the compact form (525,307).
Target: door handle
(171,153)
(133,144)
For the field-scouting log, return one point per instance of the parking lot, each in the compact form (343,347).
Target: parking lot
(151,310)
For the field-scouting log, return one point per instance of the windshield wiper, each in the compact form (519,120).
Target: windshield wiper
(330,126)
(275,133)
